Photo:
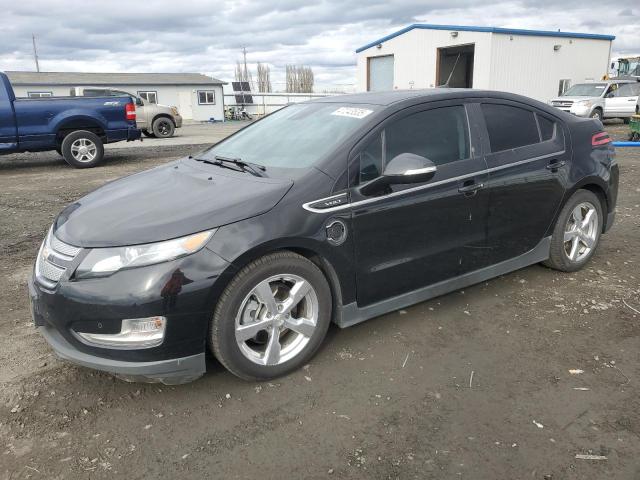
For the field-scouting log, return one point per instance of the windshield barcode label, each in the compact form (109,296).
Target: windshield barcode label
(352,112)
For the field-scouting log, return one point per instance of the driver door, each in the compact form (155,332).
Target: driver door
(416,235)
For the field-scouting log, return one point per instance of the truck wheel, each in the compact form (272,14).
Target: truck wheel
(82,149)
(148,134)
(163,128)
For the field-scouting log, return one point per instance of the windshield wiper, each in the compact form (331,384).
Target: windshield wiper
(250,167)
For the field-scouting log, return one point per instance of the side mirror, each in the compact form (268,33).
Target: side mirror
(610,95)
(405,168)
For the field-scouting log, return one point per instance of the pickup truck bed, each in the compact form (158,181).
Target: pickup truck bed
(76,127)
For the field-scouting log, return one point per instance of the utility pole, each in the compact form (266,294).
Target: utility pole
(35,52)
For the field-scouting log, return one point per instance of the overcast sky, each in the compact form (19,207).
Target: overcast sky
(208,36)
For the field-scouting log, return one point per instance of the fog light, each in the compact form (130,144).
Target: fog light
(134,333)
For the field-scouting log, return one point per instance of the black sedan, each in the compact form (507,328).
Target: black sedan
(337,210)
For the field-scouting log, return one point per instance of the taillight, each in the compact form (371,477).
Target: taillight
(599,139)
(130,110)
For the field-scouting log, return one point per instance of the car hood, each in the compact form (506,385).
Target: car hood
(167,202)
(573,99)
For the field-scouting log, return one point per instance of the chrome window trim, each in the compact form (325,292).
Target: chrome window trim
(307,206)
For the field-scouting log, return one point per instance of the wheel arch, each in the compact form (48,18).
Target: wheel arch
(305,249)
(78,122)
(162,115)
(593,184)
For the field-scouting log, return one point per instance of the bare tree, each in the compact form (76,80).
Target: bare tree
(299,79)
(264,78)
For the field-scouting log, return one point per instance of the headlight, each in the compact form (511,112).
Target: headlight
(174,110)
(101,262)
(583,103)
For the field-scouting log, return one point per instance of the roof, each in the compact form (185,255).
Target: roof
(498,30)
(387,97)
(78,78)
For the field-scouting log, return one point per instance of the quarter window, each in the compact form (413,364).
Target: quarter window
(151,97)
(206,97)
(440,134)
(509,127)
(547,128)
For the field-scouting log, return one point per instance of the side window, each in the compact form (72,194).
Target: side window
(547,127)
(440,134)
(509,127)
(626,90)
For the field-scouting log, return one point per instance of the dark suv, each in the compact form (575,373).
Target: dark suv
(340,209)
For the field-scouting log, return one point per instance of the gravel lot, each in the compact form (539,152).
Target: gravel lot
(476,384)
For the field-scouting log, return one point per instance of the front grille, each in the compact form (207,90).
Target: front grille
(562,104)
(53,259)
(49,271)
(63,248)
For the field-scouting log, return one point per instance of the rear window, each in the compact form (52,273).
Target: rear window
(509,127)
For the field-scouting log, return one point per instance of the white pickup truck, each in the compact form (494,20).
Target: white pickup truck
(606,99)
(153,119)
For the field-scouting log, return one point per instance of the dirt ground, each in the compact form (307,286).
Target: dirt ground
(476,384)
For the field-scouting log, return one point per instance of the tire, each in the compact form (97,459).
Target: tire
(597,114)
(82,149)
(146,133)
(163,128)
(254,358)
(561,255)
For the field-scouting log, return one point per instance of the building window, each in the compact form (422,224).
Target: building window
(206,97)
(563,86)
(39,94)
(150,96)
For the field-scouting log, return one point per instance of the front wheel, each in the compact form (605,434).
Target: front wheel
(577,232)
(163,128)
(82,149)
(272,317)
(597,114)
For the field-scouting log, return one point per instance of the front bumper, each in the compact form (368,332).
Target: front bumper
(170,372)
(184,291)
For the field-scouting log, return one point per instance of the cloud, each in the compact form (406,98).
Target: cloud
(208,36)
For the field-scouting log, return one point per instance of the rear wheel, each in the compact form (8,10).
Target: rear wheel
(272,317)
(82,149)
(163,128)
(577,232)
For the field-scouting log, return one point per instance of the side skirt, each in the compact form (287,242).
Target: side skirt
(351,314)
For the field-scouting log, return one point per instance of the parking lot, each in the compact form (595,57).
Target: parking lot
(511,378)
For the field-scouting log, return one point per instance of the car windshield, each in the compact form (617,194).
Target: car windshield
(586,90)
(296,136)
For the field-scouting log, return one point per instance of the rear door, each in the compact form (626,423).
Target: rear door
(623,100)
(527,153)
(412,236)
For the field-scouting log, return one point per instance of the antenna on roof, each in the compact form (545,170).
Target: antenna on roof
(35,53)
(446,84)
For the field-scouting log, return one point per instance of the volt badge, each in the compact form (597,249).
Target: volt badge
(336,232)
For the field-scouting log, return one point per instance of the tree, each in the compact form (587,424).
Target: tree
(264,78)
(299,79)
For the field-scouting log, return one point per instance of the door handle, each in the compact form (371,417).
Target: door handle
(554,165)
(470,187)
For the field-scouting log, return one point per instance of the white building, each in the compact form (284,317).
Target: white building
(538,64)
(197,96)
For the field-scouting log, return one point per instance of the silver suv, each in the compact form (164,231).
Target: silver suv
(153,119)
(606,99)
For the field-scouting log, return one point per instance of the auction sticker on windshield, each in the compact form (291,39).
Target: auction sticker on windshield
(352,112)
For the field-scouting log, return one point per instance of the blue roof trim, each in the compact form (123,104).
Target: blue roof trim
(504,31)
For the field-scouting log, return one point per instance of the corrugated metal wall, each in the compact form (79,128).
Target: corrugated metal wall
(527,65)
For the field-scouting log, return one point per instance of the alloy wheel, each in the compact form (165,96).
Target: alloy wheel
(277,319)
(581,232)
(83,150)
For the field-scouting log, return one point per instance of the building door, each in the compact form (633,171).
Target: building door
(186,109)
(380,73)
(454,66)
